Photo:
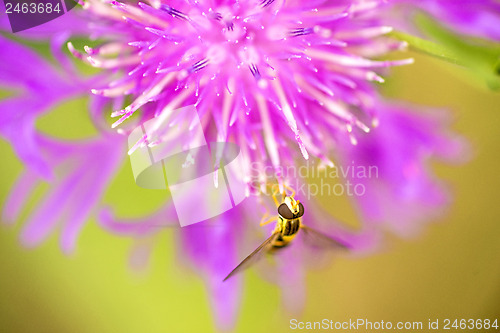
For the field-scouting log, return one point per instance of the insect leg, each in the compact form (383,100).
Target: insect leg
(290,189)
(276,191)
(265,221)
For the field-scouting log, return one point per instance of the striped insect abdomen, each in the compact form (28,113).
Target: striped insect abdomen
(290,227)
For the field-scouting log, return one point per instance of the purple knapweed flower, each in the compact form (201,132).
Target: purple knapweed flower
(262,74)
(275,77)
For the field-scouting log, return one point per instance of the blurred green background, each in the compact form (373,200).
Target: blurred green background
(451,270)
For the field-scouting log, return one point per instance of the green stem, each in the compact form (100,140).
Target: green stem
(427,47)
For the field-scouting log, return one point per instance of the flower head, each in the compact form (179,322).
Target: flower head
(262,73)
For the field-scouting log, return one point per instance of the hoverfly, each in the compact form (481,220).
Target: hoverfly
(288,224)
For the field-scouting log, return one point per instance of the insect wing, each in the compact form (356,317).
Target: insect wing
(318,239)
(253,257)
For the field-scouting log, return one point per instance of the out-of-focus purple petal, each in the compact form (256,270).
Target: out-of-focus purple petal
(479,18)
(140,254)
(38,86)
(141,226)
(19,194)
(291,279)
(77,189)
(213,251)
(404,191)
(45,217)
(106,157)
